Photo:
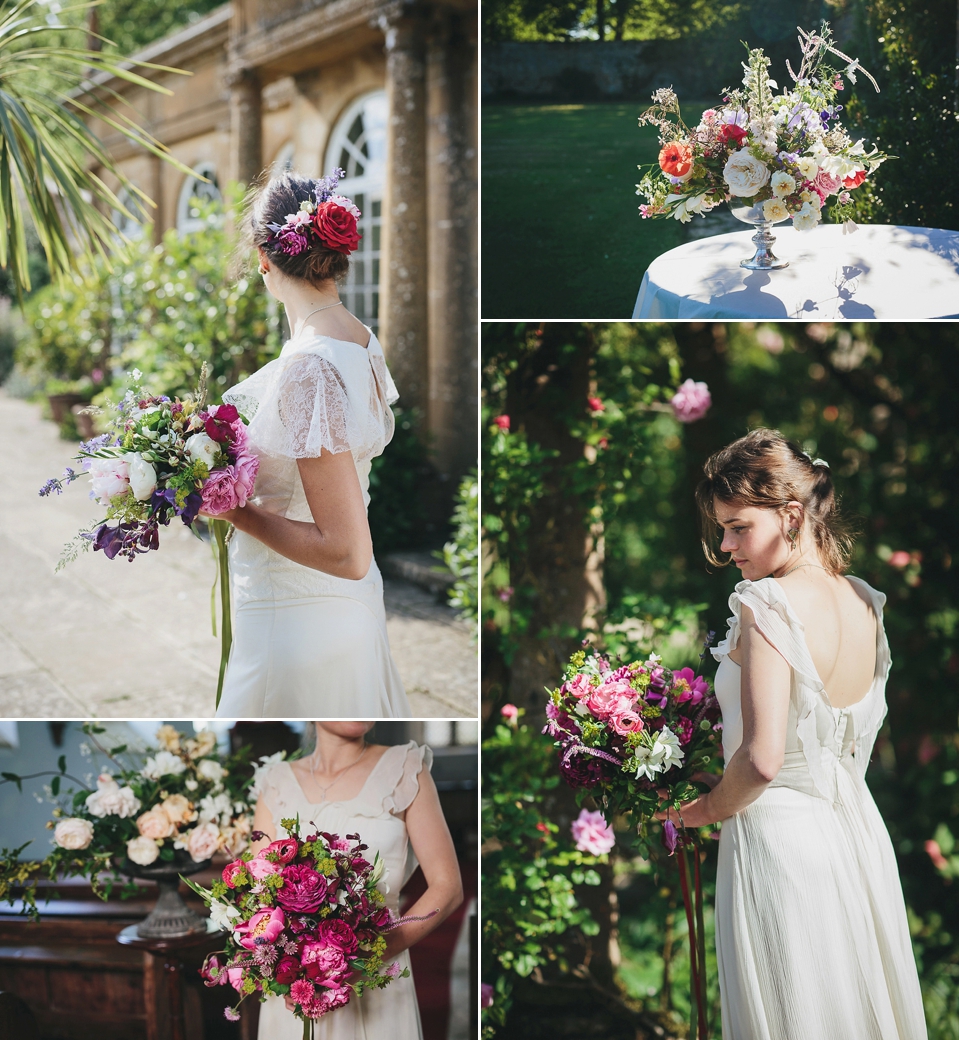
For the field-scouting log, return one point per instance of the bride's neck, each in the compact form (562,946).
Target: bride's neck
(299,300)
(334,752)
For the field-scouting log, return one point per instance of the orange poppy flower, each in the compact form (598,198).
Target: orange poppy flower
(676,159)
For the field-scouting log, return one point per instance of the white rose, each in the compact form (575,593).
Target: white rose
(143,477)
(775,210)
(806,218)
(203,841)
(203,448)
(782,184)
(73,833)
(164,763)
(143,851)
(108,478)
(745,174)
(210,770)
(110,799)
(808,167)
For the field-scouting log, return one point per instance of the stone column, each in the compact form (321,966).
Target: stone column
(404,288)
(246,130)
(451,199)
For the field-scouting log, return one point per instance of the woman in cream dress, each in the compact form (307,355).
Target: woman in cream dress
(309,635)
(386,795)
(812,940)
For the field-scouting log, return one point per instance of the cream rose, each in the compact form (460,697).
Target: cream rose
(155,824)
(178,809)
(143,850)
(204,743)
(143,477)
(775,210)
(808,167)
(203,841)
(110,799)
(168,737)
(745,174)
(73,833)
(782,184)
(806,218)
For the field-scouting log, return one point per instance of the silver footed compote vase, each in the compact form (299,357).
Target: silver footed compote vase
(171,918)
(764,259)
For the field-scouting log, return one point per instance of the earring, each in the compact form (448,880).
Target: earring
(793,535)
(262,269)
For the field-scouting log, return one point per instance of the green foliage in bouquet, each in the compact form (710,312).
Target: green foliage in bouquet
(531,913)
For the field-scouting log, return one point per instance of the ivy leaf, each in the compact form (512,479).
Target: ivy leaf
(62,764)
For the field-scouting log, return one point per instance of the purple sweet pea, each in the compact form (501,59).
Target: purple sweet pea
(669,837)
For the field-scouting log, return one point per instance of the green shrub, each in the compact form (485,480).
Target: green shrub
(461,554)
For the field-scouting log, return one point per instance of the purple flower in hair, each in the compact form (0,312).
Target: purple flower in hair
(326,186)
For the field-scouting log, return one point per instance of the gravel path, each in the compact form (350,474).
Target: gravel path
(133,640)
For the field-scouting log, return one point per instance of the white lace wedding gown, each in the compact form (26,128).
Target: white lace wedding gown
(391,1013)
(811,935)
(307,644)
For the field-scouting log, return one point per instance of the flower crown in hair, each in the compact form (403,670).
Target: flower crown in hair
(816,462)
(331,219)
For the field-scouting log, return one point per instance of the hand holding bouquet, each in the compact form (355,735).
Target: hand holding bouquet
(787,153)
(306,921)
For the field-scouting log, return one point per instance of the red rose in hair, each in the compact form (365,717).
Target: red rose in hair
(855,180)
(336,227)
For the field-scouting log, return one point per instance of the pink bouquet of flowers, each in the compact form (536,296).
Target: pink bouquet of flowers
(160,459)
(306,920)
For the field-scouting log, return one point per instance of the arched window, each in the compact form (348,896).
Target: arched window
(284,158)
(194,188)
(358,146)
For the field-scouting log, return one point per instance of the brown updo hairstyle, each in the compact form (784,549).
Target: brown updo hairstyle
(270,204)
(764,469)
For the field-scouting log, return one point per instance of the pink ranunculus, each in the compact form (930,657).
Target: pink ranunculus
(303,889)
(592,833)
(230,872)
(626,721)
(265,924)
(337,933)
(246,468)
(284,850)
(691,401)
(826,182)
(219,491)
(261,868)
(687,686)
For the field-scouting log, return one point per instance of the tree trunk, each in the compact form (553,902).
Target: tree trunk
(601,19)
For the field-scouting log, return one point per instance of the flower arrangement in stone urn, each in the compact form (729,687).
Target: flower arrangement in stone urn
(164,812)
(771,157)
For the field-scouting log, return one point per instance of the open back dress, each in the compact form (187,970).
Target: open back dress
(812,940)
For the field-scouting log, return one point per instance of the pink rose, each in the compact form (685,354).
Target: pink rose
(592,833)
(219,491)
(303,890)
(691,401)
(246,468)
(578,686)
(241,437)
(265,924)
(609,698)
(155,824)
(626,721)
(827,183)
(203,841)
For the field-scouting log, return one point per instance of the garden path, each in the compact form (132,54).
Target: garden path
(115,639)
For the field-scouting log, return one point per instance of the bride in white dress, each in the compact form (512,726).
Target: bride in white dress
(812,939)
(386,795)
(309,636)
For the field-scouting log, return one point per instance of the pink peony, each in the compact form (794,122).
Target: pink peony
(687,686)
(323,962)
(339,934)
(265,924)
(604,700)
(333,997)
(592,833)
(203,841)
(303,890)
(691,401)
(108,478)
(246,468)
(235,978)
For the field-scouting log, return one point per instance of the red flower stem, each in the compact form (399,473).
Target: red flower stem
(701,936)
(693,949)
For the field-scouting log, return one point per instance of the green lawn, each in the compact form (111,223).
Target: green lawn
(561,232)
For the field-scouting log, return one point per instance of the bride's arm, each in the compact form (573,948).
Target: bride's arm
(765,682)
(338,541)
(262,821)
(431,841)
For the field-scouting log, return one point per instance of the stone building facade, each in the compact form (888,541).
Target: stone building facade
(385,89)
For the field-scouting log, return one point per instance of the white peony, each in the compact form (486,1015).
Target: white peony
(662,753)
(215,807)
(108,478)
(808,217)
(808,167)
(203,841)
(164,763)
(143,477)
(775,210)
(110,799)
(782,184)
(745,174)
(210,770)
(203,448)
(73,833)
(143,851)
(223,915)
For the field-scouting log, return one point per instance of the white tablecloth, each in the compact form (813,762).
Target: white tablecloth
(880,271)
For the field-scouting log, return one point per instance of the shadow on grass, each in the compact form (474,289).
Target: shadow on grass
(561,232)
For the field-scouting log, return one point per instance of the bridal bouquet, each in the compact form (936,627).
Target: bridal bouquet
(785,154)
(633,737)
(161,459)
(185,802)
(306,920)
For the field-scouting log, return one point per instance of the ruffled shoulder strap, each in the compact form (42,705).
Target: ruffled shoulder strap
(396,783)
(319,395)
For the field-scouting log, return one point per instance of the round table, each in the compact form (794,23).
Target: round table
(880,271)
